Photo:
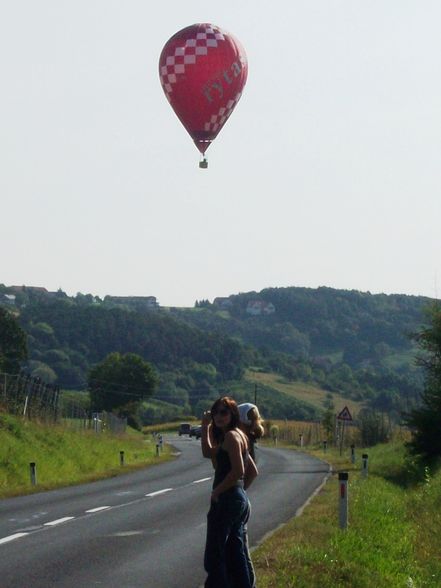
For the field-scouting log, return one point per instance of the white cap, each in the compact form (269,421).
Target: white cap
(244,409)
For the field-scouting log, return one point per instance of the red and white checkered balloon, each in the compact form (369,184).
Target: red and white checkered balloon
(203,71)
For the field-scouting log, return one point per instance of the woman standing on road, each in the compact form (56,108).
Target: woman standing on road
(226,557)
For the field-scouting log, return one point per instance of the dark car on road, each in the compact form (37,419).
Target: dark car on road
(196,431)
(184,429)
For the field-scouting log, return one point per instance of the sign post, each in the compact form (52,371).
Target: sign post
(343,417)
(343,499)
(33,470)
(364,465)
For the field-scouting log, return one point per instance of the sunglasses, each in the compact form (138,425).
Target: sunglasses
(220,411)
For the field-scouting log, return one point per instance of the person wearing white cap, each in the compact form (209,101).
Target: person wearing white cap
(251,423)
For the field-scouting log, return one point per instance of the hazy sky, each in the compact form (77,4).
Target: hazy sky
(327,173)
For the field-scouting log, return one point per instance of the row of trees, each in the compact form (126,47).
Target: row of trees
(425,420)
(66,339)
(13,344)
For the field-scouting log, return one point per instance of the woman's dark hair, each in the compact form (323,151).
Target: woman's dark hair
(231,405)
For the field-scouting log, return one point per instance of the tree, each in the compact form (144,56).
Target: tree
(425,420)
(44,373)
(328,423)
(13,345)
(373,428)
(121,380)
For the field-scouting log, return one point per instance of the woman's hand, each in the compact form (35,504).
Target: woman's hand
(214,496)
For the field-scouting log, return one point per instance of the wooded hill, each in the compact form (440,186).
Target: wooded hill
(347,342)
(357,328)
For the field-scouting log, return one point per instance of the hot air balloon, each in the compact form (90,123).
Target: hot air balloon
(203,70)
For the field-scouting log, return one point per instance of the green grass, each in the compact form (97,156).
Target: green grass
(310,393)
(66,457)
(393,539)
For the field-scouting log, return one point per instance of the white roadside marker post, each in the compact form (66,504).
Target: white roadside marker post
(301,439)
(325,446)
(343,499)
(352,453)
(364,465)
(33,470)
(121,458)
(157,449)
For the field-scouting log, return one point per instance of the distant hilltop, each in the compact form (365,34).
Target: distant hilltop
(19,296)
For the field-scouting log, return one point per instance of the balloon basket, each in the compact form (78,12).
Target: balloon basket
(203,164)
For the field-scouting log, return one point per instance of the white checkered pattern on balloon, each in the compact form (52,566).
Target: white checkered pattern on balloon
(187,55)
(217,120)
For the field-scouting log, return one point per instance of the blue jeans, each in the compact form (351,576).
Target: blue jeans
(226,553)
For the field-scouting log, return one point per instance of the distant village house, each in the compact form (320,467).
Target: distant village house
(259,307)
(224,303)
(7,299)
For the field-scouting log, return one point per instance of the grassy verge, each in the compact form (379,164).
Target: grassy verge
(312,394)
(65,457)
(393,539)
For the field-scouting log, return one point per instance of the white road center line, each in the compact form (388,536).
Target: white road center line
(159,492)
(12,537)
(97,509)
(58,521)
(201,480)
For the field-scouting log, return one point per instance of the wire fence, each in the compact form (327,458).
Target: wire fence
(29,397)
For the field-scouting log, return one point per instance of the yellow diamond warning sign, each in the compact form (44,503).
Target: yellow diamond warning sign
(344,415)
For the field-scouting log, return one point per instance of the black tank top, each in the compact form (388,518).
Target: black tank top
(223,465)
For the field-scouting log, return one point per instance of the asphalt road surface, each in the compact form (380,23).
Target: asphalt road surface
(145,529)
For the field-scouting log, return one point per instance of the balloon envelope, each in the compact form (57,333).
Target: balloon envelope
(203,71)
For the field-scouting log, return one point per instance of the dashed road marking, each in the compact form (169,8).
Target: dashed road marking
(127,533)
(58,521)
(12,537)
(159,492)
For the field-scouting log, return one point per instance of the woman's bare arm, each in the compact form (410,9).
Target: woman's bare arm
(208,446)
(251,472)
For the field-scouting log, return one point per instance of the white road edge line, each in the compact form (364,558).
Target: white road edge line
(97,509)
(159,492)
(12,537)
(58,521)
(201,480)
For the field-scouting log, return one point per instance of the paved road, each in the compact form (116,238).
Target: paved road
(145,529)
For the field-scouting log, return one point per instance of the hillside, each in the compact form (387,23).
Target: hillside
(308,393)
(351,345)
(357,328)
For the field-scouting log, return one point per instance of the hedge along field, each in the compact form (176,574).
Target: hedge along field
(171,427)
(288,433)
(393,539)
(66,457)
